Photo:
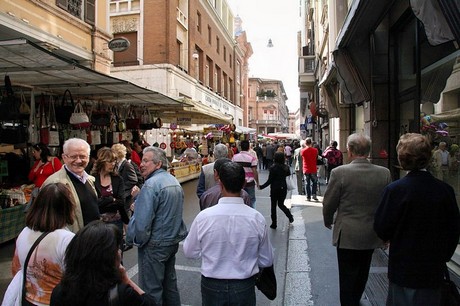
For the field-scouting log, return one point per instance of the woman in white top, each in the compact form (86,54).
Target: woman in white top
(52,210)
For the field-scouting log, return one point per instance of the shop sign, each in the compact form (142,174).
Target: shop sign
(119,44)
(184,121)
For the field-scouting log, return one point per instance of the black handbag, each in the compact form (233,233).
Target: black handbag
(9,105)
(266,282)
(449,291)
(99,116)
(65,110)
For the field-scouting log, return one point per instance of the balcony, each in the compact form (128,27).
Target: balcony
(307,71)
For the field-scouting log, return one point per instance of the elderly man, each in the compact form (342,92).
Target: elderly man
(156,227)
(211,196)
(206,179)
(76,157)
(353,194)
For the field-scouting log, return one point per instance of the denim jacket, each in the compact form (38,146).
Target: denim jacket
(157,218)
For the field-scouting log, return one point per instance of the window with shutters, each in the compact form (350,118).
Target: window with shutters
(82,9)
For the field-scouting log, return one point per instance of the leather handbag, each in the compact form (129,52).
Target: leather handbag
(9,105)
(65,110)
(132,122)
(79,118)
(449,292)
(54,130)
(44,126)
(266,282)
(100,116)
(146,120)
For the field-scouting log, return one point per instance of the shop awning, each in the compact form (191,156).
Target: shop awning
(448,116)
(244,130)
(196,113)
(352,50)
(32,66)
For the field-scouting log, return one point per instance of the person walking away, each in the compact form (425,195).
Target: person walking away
(334,158)
(206,179)
(269,156)
(352,195)
(298,168)
(45,165)
(230,227)
(211,196)
(419,217)
(249,163)
(157,227)
(50,213)
(309,158)
(278,188)
(94,274)
(288,153)
(76,156)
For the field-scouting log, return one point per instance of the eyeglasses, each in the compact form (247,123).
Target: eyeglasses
(76,157)
(144,161)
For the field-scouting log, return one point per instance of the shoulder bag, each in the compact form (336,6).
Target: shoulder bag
(449,291)
(79,118)
(65,110)
(44,126)
(26,262)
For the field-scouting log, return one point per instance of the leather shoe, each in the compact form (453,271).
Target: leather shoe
(291,219)
(273,226)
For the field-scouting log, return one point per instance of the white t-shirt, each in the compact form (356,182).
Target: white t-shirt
(46,264)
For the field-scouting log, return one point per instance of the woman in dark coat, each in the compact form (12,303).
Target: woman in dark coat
(278,190)
(110,189)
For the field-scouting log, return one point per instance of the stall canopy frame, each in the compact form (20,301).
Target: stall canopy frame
(31,66)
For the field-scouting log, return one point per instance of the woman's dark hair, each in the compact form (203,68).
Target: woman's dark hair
(279,158)
(44,151)
(104,155)
(92,262)
(53,208)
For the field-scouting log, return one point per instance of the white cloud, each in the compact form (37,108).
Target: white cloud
(279,21)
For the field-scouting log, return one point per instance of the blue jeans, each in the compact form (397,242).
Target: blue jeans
(226,292)
(157,275)
(311,179)
(252,194)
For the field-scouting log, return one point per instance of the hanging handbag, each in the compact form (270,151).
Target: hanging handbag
(26,263)
(65,110)
(32,128)
(146,120)
(9,105)
(80,133)
(79,118)
(266,282)
(54,130)
(24,108)
(132,122)
(96,137)
(44,126)
(100,116)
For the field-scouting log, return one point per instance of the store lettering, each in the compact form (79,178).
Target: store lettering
(217,103)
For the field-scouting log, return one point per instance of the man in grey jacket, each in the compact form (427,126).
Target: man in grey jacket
(206,179)
(354,193)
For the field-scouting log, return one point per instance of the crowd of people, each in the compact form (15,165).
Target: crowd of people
(89,219)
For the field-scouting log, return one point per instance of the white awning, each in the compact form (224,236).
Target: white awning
(244,130)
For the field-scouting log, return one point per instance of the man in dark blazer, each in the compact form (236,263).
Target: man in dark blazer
(353,193)
(419,216)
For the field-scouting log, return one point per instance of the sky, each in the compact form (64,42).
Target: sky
(279,21)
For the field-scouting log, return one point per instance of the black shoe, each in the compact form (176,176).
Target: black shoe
(308,199)
(273,226)
(291,219)
(315,198)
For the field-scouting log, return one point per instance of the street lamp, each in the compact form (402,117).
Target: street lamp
(270,43)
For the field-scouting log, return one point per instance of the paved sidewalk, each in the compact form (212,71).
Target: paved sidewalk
(311,272)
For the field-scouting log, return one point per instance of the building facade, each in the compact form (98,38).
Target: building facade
(383,68)
(183,49)
(267,110)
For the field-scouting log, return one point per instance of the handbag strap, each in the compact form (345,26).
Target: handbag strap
(114,298)
(26,262)
(64,98)
(42,112)
(52,115)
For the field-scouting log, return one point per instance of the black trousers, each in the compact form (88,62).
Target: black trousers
(354,268)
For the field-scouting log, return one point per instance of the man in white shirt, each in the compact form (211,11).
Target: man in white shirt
(232,241)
